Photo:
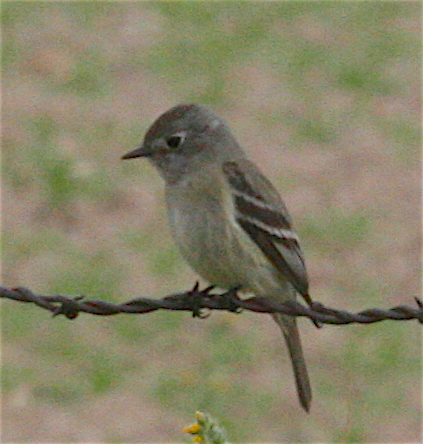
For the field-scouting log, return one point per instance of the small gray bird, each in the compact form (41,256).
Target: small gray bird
(227,218)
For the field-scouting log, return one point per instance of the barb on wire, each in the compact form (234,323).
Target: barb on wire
(198,301)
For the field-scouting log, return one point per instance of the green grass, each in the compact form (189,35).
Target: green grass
(324,95)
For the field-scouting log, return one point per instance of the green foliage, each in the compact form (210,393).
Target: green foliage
(207,430)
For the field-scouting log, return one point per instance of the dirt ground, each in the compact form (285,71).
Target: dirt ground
(326,99)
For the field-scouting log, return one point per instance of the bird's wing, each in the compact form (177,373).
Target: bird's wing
(260,211)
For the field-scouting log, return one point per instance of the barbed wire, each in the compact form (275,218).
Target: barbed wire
(200,302)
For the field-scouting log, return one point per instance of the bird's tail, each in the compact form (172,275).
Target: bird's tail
(289,328)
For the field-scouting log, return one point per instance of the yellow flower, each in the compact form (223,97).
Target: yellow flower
(194,428)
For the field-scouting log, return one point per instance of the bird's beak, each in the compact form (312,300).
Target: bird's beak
(138,152)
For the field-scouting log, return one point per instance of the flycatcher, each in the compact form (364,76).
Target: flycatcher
(228,220)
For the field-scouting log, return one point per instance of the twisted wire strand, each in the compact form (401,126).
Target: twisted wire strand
(201,302)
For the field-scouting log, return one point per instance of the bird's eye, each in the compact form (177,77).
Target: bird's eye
(175,140)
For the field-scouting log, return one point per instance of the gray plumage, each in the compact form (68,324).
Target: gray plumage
(228,220)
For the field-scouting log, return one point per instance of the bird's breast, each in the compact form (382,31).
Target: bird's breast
(204,228)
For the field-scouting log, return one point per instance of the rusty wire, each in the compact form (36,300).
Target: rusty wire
(200,302)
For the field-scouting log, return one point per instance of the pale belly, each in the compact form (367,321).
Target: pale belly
(222,253)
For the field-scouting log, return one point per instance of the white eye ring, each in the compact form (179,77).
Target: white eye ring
(176,140)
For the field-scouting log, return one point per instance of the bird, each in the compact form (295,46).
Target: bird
(228,220)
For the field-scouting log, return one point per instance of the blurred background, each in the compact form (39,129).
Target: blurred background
(326,98)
